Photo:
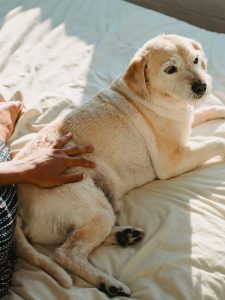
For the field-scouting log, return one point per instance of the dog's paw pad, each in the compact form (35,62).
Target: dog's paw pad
(113,291)
(129,236)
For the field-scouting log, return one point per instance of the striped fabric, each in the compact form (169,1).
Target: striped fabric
(8,209)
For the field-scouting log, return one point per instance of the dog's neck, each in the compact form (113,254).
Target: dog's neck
(164,106)
(158,103)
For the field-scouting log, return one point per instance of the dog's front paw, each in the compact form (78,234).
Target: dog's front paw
(129,236)
(113,290)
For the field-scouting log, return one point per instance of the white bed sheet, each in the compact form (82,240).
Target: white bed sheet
(60,53)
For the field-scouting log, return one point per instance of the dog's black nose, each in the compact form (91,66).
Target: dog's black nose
(199,87)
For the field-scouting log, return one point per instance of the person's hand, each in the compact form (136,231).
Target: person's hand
(46,167)
(9,114)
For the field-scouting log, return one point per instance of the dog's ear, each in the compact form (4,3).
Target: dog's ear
(196,45)
(136,77)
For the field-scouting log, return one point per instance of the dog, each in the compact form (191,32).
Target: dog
(140,129)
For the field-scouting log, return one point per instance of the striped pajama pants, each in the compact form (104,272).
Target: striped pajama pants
(8,210)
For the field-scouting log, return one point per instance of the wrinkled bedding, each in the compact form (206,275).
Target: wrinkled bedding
(61,53)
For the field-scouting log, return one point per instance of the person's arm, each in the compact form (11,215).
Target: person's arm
(46,168)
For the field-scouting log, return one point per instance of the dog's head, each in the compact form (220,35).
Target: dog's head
(172,66)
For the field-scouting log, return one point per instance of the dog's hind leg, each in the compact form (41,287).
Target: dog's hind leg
(125,235)
(26,251)
(73,255)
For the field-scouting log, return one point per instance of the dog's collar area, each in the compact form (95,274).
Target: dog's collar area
(173,113)
(170,112)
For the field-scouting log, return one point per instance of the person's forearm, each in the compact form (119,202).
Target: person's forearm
(13,172)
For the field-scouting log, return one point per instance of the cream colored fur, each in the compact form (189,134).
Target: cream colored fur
(140,129)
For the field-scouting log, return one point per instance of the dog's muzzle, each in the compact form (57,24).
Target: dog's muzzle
(199,87)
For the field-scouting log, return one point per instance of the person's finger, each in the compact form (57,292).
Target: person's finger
(78,150)
(80,162)
(15,107)
(73,177)
(20,106)
(60,143)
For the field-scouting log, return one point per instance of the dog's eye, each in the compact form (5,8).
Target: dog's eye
(196,60)
(170,70)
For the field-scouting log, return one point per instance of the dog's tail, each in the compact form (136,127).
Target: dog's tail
(26,251)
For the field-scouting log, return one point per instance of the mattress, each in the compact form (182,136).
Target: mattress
(60,54)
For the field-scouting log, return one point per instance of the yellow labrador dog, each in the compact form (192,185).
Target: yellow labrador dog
(140,129)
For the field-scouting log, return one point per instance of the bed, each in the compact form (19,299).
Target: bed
(61,53)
